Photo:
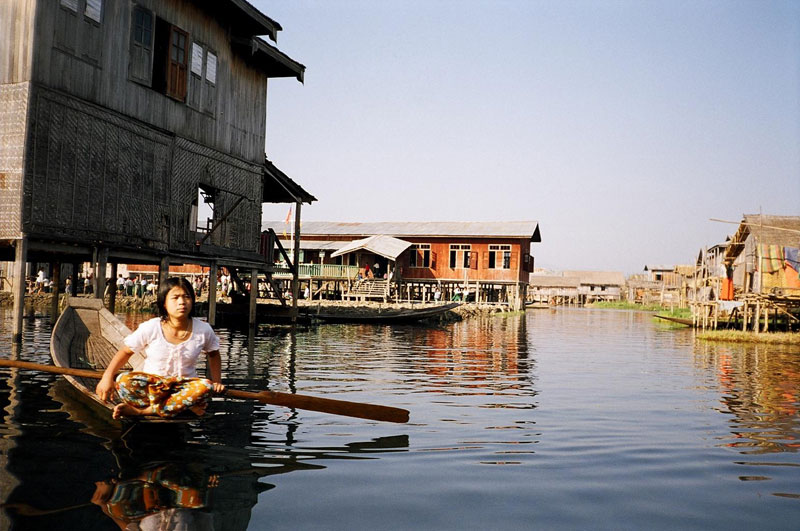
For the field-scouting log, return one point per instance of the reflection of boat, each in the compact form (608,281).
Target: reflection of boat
(347,315)
(86,336)
(679,320)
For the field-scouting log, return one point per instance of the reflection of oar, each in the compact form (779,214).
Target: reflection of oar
(323,405)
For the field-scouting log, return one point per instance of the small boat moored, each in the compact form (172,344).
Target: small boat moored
(400,316)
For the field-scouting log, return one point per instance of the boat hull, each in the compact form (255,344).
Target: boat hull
(87,336)
(400,317)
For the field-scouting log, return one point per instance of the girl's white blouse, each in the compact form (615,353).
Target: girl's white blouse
(165,359)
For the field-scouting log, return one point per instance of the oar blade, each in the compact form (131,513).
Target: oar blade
(335,407)
(324,405)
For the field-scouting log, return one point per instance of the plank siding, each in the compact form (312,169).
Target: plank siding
(16,40)
(91,154)
(65,62)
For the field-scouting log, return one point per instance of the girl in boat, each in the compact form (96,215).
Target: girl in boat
(171,343)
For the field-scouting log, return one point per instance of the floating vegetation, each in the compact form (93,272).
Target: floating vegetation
(739,336)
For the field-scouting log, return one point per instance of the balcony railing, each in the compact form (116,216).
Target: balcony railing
(322,271)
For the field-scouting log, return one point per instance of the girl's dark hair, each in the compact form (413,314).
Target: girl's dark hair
(161,299)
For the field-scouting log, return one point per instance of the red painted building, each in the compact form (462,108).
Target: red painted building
(487,255)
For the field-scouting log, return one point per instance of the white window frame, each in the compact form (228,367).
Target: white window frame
(462,251)
(502,256)
(414,250)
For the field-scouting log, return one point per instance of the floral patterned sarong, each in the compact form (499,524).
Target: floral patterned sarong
(169,396)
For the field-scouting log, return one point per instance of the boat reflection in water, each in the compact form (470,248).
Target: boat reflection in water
(162,476)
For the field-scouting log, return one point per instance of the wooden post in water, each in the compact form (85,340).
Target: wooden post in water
(212,293)
(757,320)
(55,281)
(76,267)
(253,298)
(296,260)
(19,286)
(112,295)
(163,271)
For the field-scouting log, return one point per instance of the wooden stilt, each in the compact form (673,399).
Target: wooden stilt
(20,286)
(296,261)
(76,267)
(100,263)
(112,288)
(163,270)
(212,293)
(253,298)
(56,281)
(756,321)
(744,317)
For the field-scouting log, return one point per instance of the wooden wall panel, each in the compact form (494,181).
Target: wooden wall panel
(13,125)
(91,61)
(84,180)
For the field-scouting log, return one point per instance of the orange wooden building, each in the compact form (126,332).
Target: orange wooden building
(489,260)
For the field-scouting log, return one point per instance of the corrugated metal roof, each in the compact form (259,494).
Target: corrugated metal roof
(385,246)
(482,229)
(312,245)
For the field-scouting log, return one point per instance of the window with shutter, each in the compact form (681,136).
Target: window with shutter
(177,65)
(140,63)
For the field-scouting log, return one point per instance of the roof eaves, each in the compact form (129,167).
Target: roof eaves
(266,25)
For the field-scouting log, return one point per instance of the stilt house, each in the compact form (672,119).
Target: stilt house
(763,255)
(134,131)
(480,261)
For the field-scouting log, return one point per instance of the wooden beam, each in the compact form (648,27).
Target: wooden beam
(219,223)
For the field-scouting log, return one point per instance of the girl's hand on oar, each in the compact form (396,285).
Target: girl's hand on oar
(219,389)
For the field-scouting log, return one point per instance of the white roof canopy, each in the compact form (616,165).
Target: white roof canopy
(385,246)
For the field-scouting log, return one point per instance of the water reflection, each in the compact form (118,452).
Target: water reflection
(202,475)
(605,416)
(760,389)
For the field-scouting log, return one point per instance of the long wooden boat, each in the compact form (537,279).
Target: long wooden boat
(86,336)
(679,320)
(385,317)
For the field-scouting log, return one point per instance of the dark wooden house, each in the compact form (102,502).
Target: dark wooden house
(134,131)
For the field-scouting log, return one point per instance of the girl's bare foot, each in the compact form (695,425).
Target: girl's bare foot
(127,410)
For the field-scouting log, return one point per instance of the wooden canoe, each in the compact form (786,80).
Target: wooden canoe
(385,317)
(86,336)
(679,320)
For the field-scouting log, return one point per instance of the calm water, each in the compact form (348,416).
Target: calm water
(568,419)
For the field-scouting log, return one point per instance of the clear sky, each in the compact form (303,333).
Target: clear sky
(620,126)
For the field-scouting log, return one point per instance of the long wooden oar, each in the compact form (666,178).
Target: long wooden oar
(311,403)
